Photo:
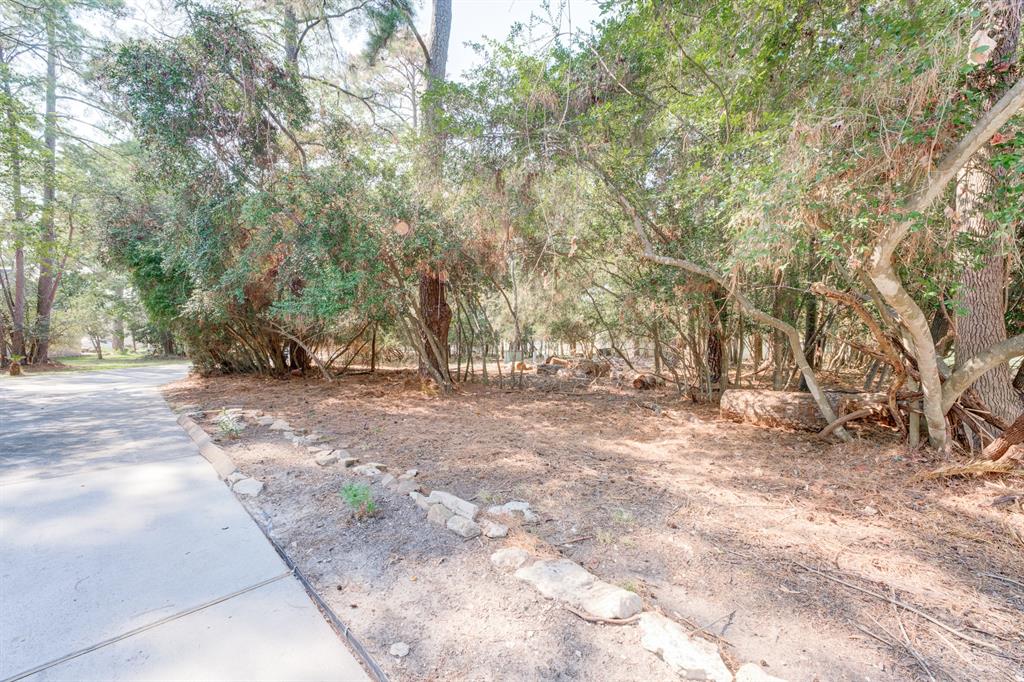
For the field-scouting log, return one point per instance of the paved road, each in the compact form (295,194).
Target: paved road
(124,557)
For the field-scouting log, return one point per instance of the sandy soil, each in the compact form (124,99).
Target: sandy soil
(766,540)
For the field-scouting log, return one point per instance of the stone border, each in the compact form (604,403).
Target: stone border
(581,592)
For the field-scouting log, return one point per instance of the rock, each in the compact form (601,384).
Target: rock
(366,470)
(462,526)
(557,579)
(347,461)
(751,672)
(692,658)
(235,477)
(605,600)
(248,486)
(386,480)
(408,475)
(421,501)
(314,438)
(378,465)
(279,425)
(327,459)
(406,487)
(510,508)
(399,649)
(455,504)
(492,529)
(439,514)
(266,420)
(510,558)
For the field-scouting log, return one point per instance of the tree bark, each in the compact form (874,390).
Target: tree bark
(883,273)
(47,261)
(437,317)
(17,205)
(981,291)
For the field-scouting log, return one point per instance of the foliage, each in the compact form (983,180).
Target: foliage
(359,498)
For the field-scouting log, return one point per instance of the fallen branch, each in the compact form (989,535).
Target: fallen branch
(857,414)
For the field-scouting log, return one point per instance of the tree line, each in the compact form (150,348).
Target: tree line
(783,194)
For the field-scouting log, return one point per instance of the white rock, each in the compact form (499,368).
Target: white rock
(266,421)
(366,470)
(692,658)
(492,529)
(248,486)
(378,465)
(327,459)
(462,526)
(399,649)
(406,487)
(557,578)
(421,501)
(235,477)
(408,475)
(510,508)
(510,557)
(456,504)
(347,461)
(280,425)
(386,480)
(605,600)
(751,672)
(439,514)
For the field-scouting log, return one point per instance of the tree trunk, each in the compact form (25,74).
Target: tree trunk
(118,334)
(981,291)
(47,261)
(437,317)
(17,206)
(433,300)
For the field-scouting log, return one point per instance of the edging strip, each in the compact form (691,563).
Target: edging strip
(212,452)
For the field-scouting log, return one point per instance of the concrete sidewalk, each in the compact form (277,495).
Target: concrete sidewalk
(124,557)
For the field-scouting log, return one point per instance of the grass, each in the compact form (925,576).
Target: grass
(113,361)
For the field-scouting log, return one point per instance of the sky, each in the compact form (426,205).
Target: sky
(472,20)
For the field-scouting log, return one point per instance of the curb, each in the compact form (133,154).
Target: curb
(213,454)
(225,466)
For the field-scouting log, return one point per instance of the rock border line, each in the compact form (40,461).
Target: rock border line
(563,580)
(226,469)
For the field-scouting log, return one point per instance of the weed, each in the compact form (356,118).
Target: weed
(605,537)
(359,497)
(228,425)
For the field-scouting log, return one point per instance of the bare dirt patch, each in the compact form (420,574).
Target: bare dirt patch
(741,531)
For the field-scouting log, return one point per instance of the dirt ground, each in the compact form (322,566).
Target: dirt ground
(787,550)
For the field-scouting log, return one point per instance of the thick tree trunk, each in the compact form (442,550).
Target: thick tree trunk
(47,261)
(437,317)
(982,289)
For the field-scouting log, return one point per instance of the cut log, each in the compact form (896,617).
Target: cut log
(793,409)
(550,369)
(645,382)
(1010,437)
(555,360)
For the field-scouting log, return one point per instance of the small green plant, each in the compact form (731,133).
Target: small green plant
(228,425)
(359,497)
(605,537)
(630,586)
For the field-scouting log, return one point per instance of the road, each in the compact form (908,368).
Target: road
(124,557)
